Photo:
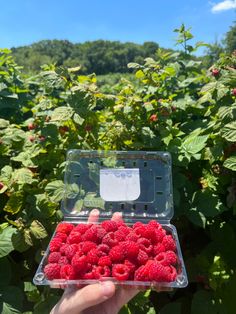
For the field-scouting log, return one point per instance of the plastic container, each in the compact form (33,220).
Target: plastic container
(136,183)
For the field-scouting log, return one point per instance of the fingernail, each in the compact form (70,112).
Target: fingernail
(108,289)
(95,212)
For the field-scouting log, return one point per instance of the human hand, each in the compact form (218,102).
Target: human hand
(99,298)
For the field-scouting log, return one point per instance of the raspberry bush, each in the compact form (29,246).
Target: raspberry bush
(177,106)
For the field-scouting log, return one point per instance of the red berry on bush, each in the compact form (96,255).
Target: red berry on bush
(31,126)
(234,91)
(31,138)
(42,138)
(215,72)
(1,185)
(153,118)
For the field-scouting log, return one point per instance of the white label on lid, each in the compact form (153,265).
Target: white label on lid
(119,184)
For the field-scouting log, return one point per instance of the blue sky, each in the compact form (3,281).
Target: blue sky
(27,21)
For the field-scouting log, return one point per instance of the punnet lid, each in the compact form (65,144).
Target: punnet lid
(136,183)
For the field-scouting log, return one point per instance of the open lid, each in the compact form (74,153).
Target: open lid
(136,183)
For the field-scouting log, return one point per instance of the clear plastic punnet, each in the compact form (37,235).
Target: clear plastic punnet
(136,183)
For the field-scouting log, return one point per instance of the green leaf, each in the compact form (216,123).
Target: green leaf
(78,119)
(230,163)
(38,230)
(229,132)
(204,303)
(21,240)
(46,305)
(55,190)
(11,300)
(14,203)
(194,143)
(4,123)
(196,217)
(62,114)
(6,245)
(23,176)
(172,308)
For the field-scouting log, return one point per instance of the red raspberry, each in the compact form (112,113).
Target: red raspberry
(158,272)
(65,227)
(142,257)
(79,263)
(90,235)
(101,232)
(132,237)
(70,251)
(130,249)
(159,235)
(145,245)
(109,225)
(169,243)
(67,272)
(161,258)
(171,273)
(61,235)
(119,235)
(102,271)
(116,254)
(233,91)
(63,261)
(93,256)
(120,223)
(142,274)
(215,72)
(52,271)
(131,266)
(155,224)
(89,275)
(74,237)
(125,229)
(110,240)
(86,246)
(104,261)
(171,257)
(55,244)
(141,231)
(54,257)
(138,224)
(153,118)
(120,272)
(81,228)
(104,248)
(63,248)
(158,248)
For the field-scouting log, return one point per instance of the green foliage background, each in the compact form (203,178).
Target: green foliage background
(195,114)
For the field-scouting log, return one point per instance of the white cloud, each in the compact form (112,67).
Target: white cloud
(223,6)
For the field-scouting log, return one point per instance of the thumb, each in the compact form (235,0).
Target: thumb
(76,301)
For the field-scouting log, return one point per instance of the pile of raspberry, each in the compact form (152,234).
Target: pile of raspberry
(142,252)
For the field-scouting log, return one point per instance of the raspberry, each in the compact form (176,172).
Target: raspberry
(137,225)
(90,235)
(120,272)
(81,228)
(159,235)
(120,223)
(155,224)
(132,236)
(89,275)
(158,272)
(67,272)
(54,257)
(119,235)
(109,225)
(74,237)
(102,271)
(171,273)
(79,263)
(55,244)
(86,246)
(130,249)
(104,261)
(63,260)
(131,266)
(145,245)
(101,232)
(93,256)
(63,248)
(158,248)
(110,240)
(52,271)
(142,257)
(116,254)
(62,236)
(171,257)
(104,248)
(65,227)
(70,251)
(141,231)
(142,274)
(169,243)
